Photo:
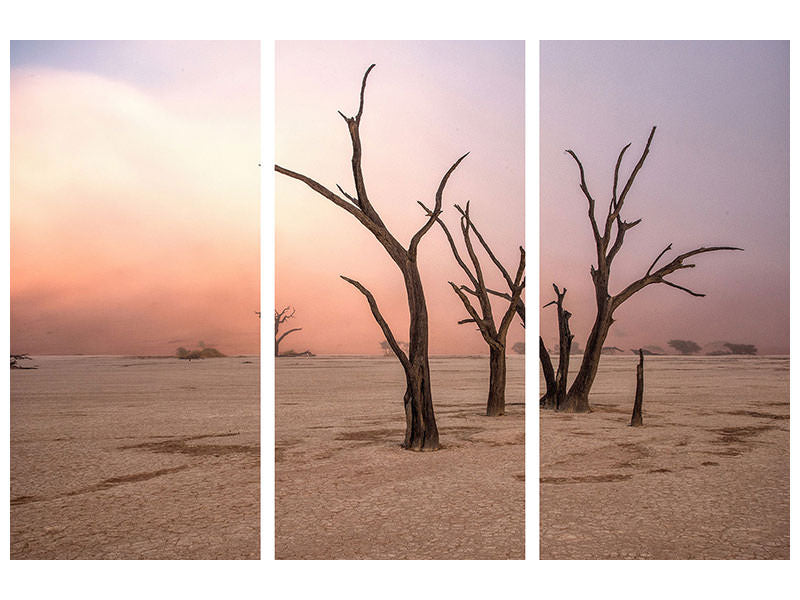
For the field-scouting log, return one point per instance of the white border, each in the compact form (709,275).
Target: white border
(411,19)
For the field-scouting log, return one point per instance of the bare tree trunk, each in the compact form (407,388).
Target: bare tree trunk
(549,398)
(421,430)
(496,405)
(577,399)
(636,418)
(556,396)
(564,348)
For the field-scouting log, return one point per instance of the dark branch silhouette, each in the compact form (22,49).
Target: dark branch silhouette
(494,335)
(608,242)
(280,318)
(556,393)
(636,416)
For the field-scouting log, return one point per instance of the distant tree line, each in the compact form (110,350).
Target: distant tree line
(690,347)
(684,346)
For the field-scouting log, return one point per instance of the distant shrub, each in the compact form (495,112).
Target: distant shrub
(204,353)
(684,346)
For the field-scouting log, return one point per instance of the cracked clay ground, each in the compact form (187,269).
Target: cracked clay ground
(346,490)
(707,477)
(132,458)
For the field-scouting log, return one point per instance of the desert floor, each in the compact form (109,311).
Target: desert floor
(706,477)
(346,490)
(132,458)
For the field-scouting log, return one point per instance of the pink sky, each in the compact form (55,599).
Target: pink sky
(134,197)
(717,174)
(427,103)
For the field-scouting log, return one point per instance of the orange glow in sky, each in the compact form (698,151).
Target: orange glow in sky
(427,103)
(134,197)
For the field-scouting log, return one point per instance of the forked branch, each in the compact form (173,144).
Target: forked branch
(488,249)
(359,205)
(454,249)
(658,276)
(485,326)
(434,215)
(353,124)
(602,240)
(282,316)
(335,198)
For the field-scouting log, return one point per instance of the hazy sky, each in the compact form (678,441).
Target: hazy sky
(134,196)
(717,174)
(427,103)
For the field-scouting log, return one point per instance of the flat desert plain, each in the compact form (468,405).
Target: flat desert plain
(346,490)
(706,477)
(129,458)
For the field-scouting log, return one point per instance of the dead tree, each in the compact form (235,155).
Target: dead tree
(556,394)
(421,432)
(608,242)
(494,335)
(280,318)
(636,417)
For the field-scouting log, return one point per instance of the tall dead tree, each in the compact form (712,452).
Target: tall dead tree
(608,242)
(555,396)
(280,318)
(421,431)
(494,335)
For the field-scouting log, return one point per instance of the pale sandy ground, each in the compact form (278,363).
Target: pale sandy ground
(131,458)
(707,477)
(346,490)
